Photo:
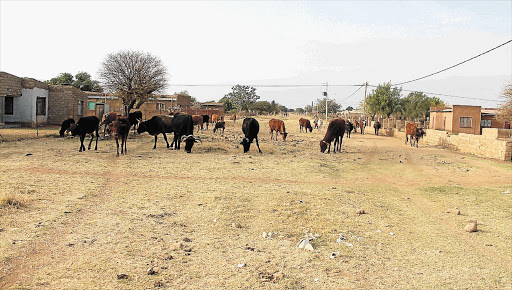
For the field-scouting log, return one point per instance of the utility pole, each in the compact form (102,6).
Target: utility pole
(365,87)
(326,99)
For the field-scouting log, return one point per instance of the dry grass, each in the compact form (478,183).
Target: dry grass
(194,218)
(19,134)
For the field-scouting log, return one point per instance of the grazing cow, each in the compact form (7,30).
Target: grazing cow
(86,125)
(416,133)
(233,117)
(251,128)
(362,125)
(335,132)
(135,118)
(183,132)
(197,120)
(278,126)
(349,127)
(215,118)
(107,120)
(66,126)
(157,125)
(377,127)
(218,126)
(121,128)
(206,119)
(305,124)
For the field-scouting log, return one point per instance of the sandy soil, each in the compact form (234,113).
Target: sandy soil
(197,219)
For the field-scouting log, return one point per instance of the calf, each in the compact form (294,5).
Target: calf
(157,125)
(416,133)
(218,126)
(377,127)
(335,132)
(135,118)
(197,120)
(66,126)
(349,127)
(183,132)
(107,120)
(251,128)
(278,126)
(121,128)
(362,125)
(86,125)
(305,124)
(215,118)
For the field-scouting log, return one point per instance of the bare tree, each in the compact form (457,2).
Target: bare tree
(134,76)
(505,113)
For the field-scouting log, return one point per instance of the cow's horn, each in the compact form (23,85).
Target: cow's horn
(198,139)
(184,137)
(325,142)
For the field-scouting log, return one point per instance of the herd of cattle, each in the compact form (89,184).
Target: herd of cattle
(182,125)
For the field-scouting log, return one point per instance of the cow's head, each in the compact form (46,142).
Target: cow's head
(323,146)
(422,132)
(189,142)
(75,130)
(246,143)
(143,127)
(284,135)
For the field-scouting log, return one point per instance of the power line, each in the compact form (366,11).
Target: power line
(454,65)
(352,93)
(263,86)
(444,95)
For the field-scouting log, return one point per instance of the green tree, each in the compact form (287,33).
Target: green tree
(383,100)
(261,107)
(134,76)
(242,97)
(228,105)
(62,79)
(417,105)
(349,108)
(300,110)
(84,82)
(332,106)
(308,109)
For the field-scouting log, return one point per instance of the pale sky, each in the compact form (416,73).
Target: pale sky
(272,43)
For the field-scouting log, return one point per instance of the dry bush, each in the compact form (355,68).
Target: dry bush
(13,199)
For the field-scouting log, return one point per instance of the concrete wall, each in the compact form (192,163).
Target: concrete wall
(485,145)
(25,107)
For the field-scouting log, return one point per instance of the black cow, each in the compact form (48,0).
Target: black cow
(66,126)
(349,127)
(135,118)
(121,129)
(206,120)
(377,127)
(183,131)
(86,125)
(335,132)
(218,126)
(157,125)
(251,128)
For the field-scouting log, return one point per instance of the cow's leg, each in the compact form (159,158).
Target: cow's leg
(125,141)
(258,144)
(97,136)
(156,137)
(165,138)
(117,145)
(81,143)
(90,142)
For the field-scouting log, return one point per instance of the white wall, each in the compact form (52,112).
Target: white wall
(25,107)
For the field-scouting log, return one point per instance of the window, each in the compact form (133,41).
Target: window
(41,106)
(465,122)
(80,108)
(9,106)
(92,105)
(160,106)
(486,123)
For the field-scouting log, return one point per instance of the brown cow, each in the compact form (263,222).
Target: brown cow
(415,133)
(335,132)
(233,117)
(107,120)
(278,126)
(121,127)
(362,125)
(198,120)
(215,118)
(305,124)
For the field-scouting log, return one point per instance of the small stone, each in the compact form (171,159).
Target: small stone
(305,244)
(122,276)
(187,240)
(349,244)
(360,211)
(471,226)
(151,271)
(236,225)
(277,276)
(241,265)
(392,233)
(158,284)
(506,192)
(264,235)
(334,255)
(316,279)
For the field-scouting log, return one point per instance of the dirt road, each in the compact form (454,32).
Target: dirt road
(197,219)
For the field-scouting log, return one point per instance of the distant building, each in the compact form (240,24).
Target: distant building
(464,119)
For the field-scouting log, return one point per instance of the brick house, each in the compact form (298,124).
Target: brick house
(23,100)
(464,119)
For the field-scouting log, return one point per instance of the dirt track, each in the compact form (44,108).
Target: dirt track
(91,216)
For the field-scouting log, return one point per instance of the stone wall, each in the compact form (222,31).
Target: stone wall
(486,145)
(63,104)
